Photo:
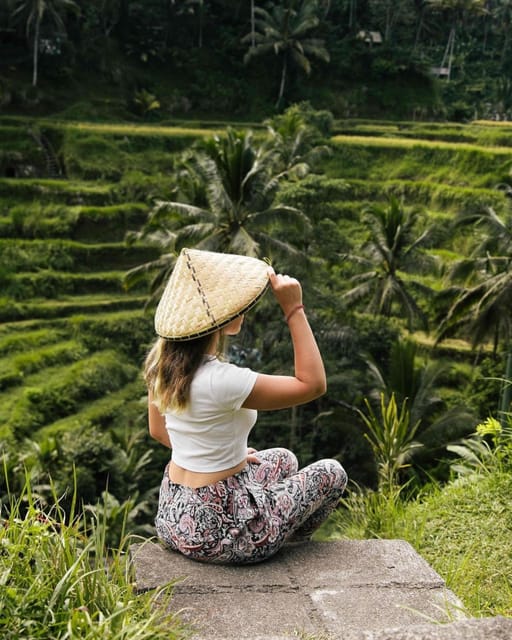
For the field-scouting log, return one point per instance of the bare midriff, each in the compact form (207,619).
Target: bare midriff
(196,479)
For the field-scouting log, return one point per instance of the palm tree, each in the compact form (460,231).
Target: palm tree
(239,214)
(33,13)
(390,249)
(483,305)
(294,143)
(457,12)
(283,31)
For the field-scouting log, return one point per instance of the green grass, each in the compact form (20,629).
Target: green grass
(480,133)
(57,391)
(54,220)
(71,305)
(462,530)
(46,189)
(131,129)
(55,284)
(408,143)
(60,580)
(24,340)
(105,412)
(62,254)
(412,159)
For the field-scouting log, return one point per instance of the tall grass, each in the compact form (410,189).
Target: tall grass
(60,580)
(462,528)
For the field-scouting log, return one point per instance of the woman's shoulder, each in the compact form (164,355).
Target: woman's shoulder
(219,366)
(227,379)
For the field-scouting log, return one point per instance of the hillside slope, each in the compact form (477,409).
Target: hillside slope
(72,340)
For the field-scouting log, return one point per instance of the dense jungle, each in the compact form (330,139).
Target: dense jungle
(363,146)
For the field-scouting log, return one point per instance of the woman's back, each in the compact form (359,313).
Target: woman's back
(210,433)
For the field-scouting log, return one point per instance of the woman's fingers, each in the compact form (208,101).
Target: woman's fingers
(287,290)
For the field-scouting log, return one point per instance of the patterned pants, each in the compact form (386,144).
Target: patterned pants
(247,517)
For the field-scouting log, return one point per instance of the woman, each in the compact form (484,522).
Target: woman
(220,501)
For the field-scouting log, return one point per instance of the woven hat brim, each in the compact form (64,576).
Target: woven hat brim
(206,291)
(211,330)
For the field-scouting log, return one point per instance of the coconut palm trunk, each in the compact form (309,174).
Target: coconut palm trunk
(253,25)
(283,81)
(35,53)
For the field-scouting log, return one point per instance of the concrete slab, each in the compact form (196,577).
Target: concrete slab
(226,615)
(497,628)
(320,590)
(361,563)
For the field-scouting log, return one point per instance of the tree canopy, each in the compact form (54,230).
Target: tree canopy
(452,56)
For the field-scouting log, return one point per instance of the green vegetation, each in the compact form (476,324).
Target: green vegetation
(397,231)
(459,528)
(54,582)
(95,60)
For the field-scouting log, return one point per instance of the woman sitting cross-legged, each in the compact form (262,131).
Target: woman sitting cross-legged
(220,501)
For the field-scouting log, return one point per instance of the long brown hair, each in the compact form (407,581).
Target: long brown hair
(170,367)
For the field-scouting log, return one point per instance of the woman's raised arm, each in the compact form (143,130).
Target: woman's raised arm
(309,382)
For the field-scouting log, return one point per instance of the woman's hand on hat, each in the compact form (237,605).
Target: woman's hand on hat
(287,290)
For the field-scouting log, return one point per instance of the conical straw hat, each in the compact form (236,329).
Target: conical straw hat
(206,291)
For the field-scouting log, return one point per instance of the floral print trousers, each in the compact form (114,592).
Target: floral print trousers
(247,517)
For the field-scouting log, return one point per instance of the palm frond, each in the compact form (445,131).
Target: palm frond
(244,244)
(163,211)
(281,214)
(271,247)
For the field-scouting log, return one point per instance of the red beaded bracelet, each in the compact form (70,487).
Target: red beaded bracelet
(297,308)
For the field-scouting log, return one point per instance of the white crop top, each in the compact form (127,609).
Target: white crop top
(211,433)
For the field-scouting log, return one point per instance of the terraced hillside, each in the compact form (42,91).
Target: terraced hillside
(439,171)
(62,268)
(72,340)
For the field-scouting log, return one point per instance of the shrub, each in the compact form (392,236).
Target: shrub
(42,221)
(119,409)
(93,157)
(25,255)
(51,284)
(98,223)
(67,255)
(130,332)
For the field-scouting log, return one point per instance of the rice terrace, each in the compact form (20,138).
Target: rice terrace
(377,175)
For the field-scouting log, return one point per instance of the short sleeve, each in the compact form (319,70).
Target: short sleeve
(232,384)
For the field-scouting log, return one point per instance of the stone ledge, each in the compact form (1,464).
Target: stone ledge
(497,628)
(330,589)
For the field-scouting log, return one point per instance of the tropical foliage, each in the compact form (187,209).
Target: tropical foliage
(483,301)
(72,339)
(284,31)
(55,583)
(237,181)
(391,247)
(437,58)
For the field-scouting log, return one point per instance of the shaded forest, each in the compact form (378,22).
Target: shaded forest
(413,59)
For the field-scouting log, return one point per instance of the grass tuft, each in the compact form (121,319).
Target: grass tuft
(59,580)
(462,530)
